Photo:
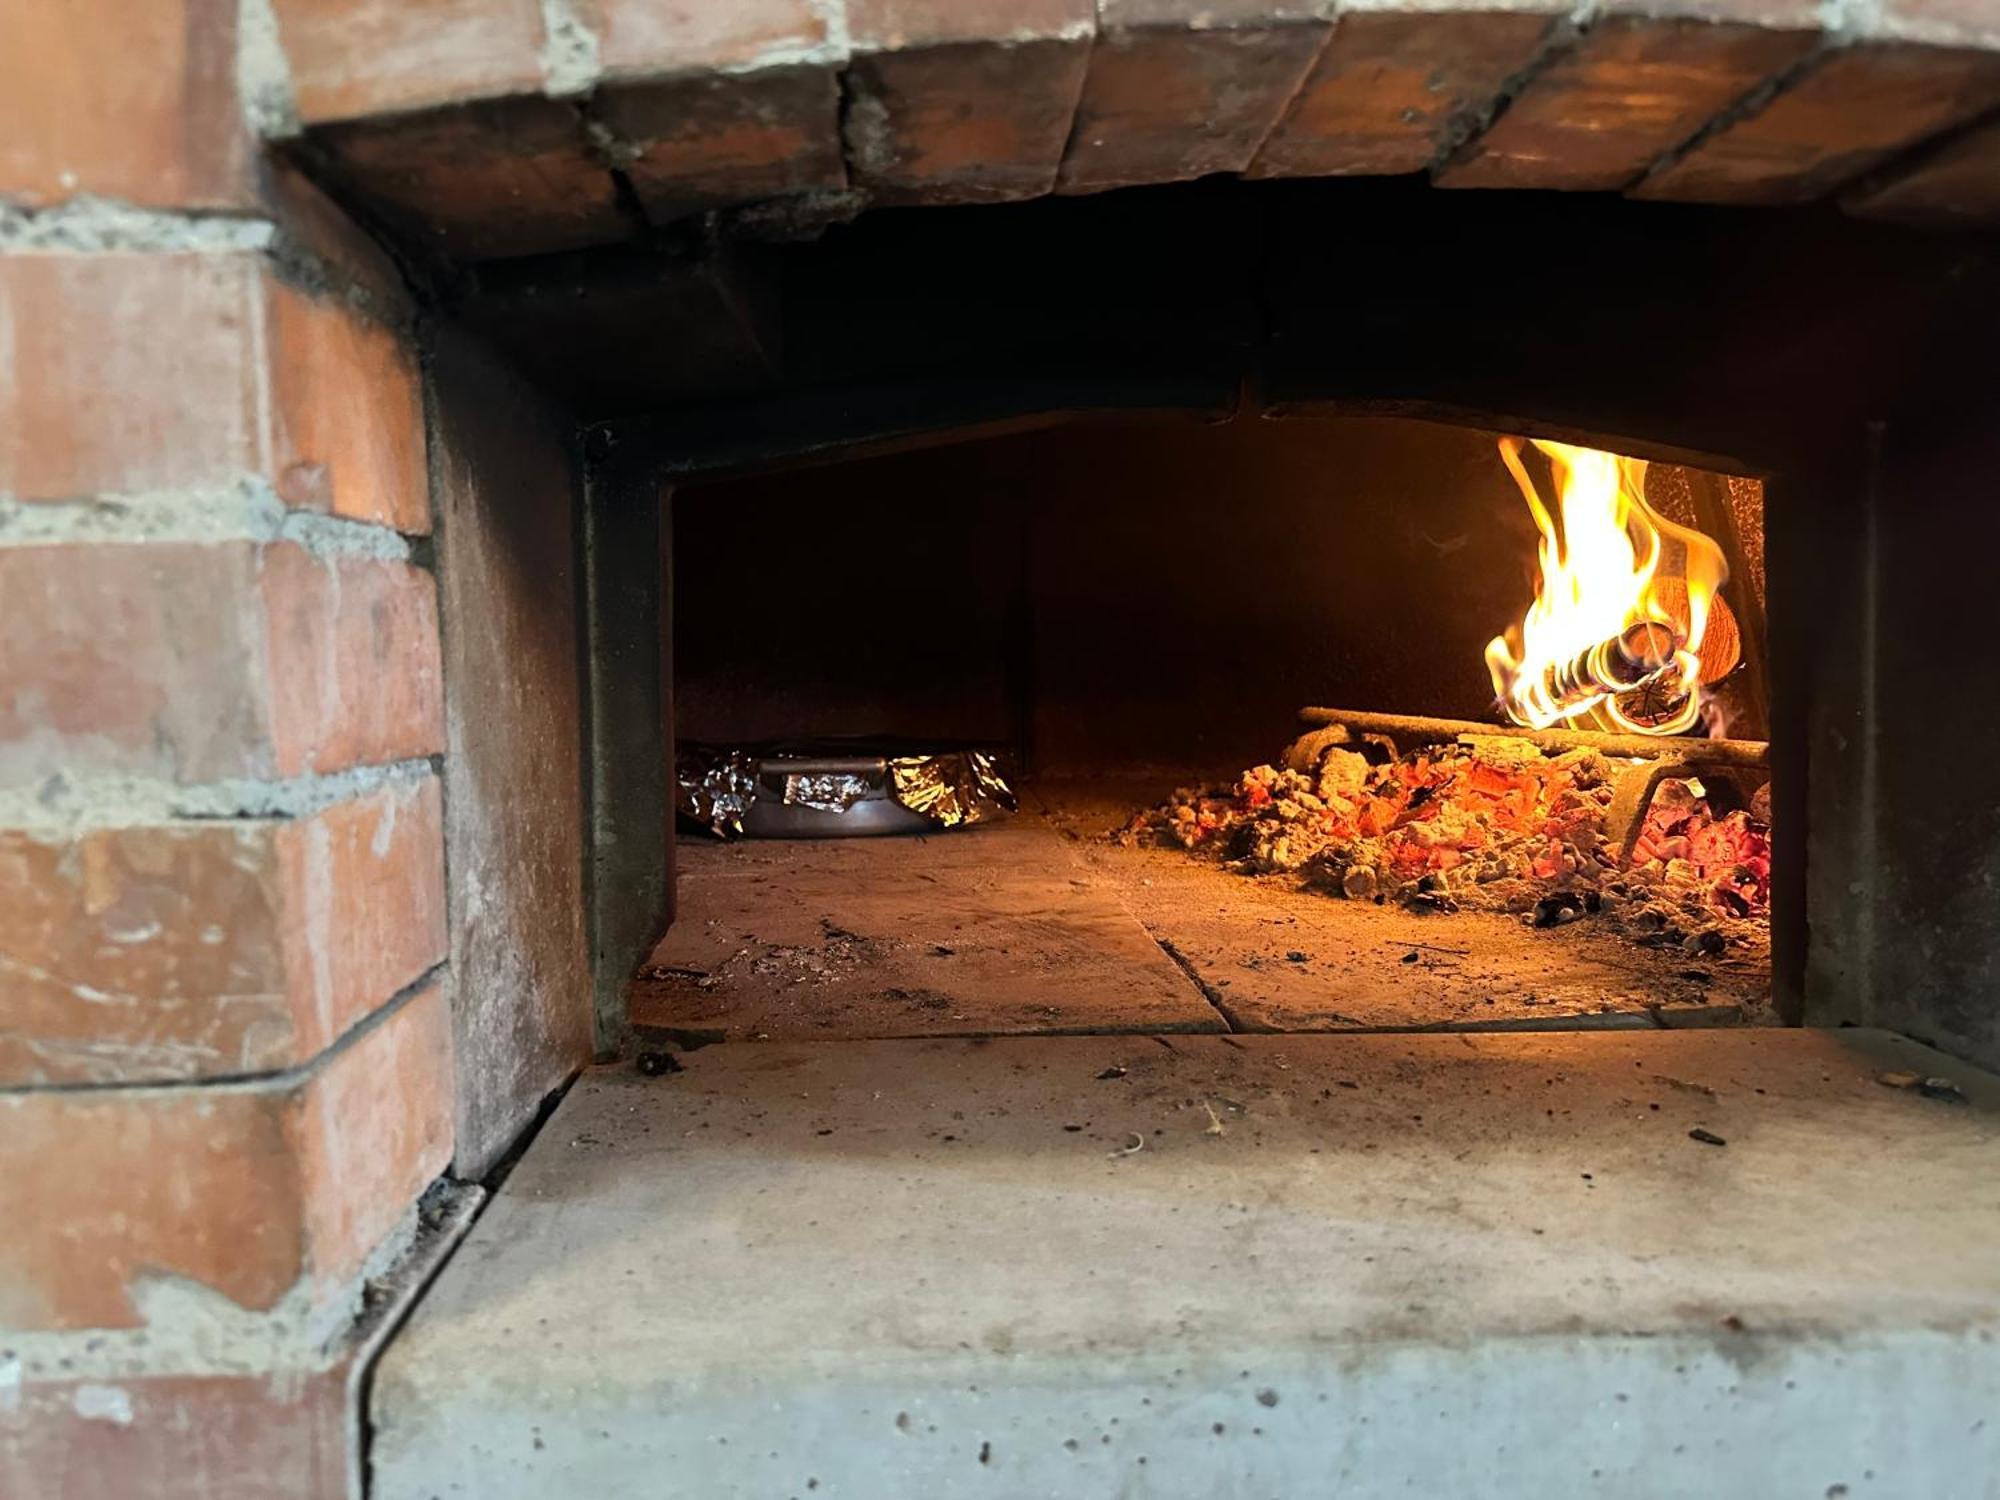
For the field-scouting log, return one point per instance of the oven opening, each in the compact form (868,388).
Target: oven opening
(1289,722)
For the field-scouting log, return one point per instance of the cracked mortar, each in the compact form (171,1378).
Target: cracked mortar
(59,807)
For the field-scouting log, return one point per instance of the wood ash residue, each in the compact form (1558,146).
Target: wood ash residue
(1489,824)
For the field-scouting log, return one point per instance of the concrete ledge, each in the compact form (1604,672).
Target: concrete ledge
(1452,1264)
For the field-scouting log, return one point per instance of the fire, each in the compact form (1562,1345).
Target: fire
(1614,637)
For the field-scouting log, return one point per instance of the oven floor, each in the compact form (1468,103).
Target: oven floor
(988,930)
(1227,1266)
(1038,925)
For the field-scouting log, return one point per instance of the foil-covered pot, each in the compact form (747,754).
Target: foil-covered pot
(755,792)
(961,787)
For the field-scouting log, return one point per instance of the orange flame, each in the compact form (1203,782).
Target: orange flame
(1613,639)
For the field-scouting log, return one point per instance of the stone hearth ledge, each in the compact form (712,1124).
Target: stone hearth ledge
(1452,1264)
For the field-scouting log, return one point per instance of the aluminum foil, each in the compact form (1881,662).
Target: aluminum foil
(962,787)
(715,788)
(746,792)
(827,792)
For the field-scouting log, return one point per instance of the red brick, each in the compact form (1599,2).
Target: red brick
(714,140)
(198,663)
(481,181)
(1849,113)
(354,58)
(158,954)
(940,114)
(347,415)
(128,373)
(355,675)
(1389,86)
(322,230)
(647,39)
(217,1201)
(1958,184)
(276,1436)
(1630,90)
(249,1190)
(372,1130)
(125,373)
(140,659)
(1163,101)
(365,906)
(719,104)
(136,102)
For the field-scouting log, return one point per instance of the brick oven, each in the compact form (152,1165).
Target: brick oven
(443,445)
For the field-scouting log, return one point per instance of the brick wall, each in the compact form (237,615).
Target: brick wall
(225,1047)
(535,126)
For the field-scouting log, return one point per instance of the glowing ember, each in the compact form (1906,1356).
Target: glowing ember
(1495,825)
(1614,639)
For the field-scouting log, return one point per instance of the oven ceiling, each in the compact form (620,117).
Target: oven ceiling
(783,116)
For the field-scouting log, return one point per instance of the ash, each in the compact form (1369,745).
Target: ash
(1496,825)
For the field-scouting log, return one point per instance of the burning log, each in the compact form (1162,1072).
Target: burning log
(1418,729)
(1616,633)
(1640,659)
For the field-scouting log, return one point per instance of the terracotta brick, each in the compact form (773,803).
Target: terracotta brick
(1164,100)
(136,102)
(347,415)
(365,906)
(1389,87)
(354,58)
(714,140)
(481,181)
(1849,113)
(355,675)
(1630,90)
(1958,184)
(248,1190)
(196,950)
(122,373)
(719,104)
(276,1436)
(649,39)
(142,953)
(137,659)
(937,113)
(323,231)
(217,1202)
(198,663)
(735,103)
(129,373)
(373,1130)
(979,123)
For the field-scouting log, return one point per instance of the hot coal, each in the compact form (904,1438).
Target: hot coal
(1487,825)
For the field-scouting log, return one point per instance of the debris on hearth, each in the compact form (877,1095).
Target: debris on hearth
(1941,1089)
(1487,824)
